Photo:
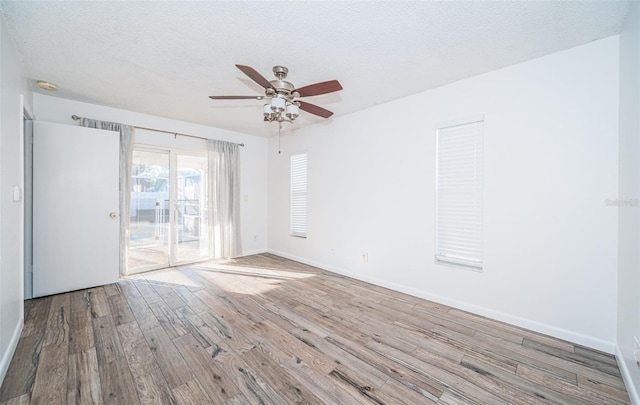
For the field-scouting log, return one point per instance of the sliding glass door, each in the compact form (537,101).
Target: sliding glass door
(169,222)
(149,232)
(192,225)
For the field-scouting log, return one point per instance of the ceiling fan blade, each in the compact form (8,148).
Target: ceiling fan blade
(314,109)
(255,76)
(319,88)
(236,97)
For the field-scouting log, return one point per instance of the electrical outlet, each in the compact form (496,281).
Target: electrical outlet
(636,351)
(365,257)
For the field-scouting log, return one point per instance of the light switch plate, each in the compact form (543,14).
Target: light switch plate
(16,193)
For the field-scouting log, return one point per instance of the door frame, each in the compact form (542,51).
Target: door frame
(27,187)
(173,220)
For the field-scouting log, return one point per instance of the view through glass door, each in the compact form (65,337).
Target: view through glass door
(168,216)
(149,215)
(191,230)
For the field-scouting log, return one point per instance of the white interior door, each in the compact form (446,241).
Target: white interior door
(75,208)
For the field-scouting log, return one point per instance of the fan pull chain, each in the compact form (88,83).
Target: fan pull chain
(279,130)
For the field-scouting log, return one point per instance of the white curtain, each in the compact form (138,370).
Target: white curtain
(126,155)
(224,200)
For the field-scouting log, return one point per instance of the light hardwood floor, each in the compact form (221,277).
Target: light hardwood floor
(266,330)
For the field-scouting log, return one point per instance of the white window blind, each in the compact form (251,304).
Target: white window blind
(459,195)
(299,195)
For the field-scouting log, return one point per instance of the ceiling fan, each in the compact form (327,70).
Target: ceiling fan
(283,104)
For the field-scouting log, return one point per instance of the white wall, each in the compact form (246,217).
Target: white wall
(15,95)
(551,130)
(629,189)
(253,157)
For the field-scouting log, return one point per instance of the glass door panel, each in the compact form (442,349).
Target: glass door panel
(191,233)
(149,231)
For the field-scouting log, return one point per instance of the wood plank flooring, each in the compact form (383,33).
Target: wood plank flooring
(266,330)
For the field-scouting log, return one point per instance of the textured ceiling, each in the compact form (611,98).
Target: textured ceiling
(165,58)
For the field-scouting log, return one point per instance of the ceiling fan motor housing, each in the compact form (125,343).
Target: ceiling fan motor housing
(282,86)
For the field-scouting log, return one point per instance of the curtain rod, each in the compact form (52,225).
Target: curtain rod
(76,118)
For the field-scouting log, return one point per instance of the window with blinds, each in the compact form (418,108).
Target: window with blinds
(459,195)
(299,195)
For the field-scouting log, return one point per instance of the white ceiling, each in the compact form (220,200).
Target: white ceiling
(165,58)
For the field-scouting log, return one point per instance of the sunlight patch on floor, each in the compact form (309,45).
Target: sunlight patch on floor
(246,280)
(253,271)
(169,276)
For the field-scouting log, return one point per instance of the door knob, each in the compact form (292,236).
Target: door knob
(113,215)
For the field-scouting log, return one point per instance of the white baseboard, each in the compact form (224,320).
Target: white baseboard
(626,377)
(253,252)
(8,354)
(560,333)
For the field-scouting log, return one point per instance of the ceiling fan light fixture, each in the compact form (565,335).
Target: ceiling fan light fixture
(292,111)
(277,104)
